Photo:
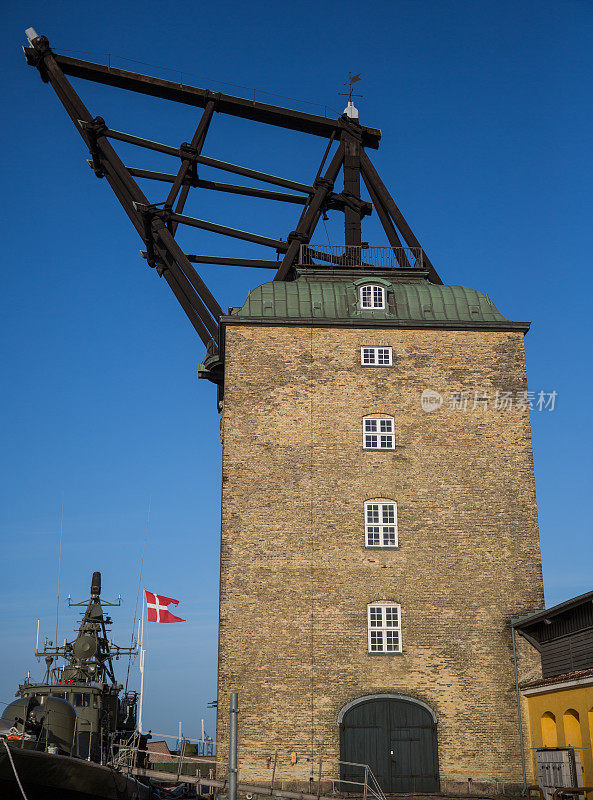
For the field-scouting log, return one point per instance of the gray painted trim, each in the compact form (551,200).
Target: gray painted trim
(360,700)
(381,547)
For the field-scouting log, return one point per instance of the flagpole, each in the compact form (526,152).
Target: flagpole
(142,655)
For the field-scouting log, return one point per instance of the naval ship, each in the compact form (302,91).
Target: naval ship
(63,738)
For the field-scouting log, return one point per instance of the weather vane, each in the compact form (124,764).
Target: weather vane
(352,79)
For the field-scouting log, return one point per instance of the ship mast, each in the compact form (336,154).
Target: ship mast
(90,656)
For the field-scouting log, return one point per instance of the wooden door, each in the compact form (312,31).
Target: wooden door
(396,737)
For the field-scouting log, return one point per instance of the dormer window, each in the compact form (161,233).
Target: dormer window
(372,296)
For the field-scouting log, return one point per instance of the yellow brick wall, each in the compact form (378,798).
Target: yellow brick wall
(296,577)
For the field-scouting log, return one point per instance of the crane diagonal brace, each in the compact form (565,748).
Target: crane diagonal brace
(193,295)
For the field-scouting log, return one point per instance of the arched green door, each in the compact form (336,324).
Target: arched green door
(397,738)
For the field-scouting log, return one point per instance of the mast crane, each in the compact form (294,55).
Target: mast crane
(157,223)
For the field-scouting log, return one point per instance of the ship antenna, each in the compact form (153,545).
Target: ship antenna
(59,567)
(138,592)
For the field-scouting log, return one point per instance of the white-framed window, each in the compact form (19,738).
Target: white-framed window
(376,356)
(372,296)
(378,433)
(380,523)
(384,627)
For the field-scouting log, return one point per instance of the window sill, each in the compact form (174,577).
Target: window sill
(397,653)
(379,449)
(377,366)
(381,547)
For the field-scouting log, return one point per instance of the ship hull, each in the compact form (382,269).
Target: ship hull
(50,777)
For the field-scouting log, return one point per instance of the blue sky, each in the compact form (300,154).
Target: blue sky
(486,118)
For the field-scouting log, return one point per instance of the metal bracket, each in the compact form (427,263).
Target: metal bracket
(35,55)
(298,236)
(349,199)
(321,181)
(148,213)
(187,152)
(351,128)
(93,129)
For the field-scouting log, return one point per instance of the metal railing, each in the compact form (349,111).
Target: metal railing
(129,755)
(325,777)
(339,255)
(323,772)
(177,768)
(204,746)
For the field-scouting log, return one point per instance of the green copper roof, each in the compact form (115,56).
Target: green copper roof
(417,302)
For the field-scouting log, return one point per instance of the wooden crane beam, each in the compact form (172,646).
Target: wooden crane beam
(192,95)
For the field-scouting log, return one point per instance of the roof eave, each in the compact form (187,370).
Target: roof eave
(529,619)
(362,322)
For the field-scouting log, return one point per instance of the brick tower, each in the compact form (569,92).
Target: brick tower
(379,524)
(375,544)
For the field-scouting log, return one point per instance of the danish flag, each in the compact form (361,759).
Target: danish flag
(156,608)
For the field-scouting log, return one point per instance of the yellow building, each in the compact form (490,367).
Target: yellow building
(560,704)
